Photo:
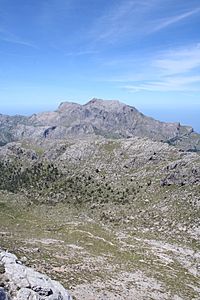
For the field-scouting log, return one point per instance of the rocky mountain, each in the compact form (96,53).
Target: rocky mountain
(110,119)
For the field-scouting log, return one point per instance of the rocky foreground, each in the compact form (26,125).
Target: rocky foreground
(19,282)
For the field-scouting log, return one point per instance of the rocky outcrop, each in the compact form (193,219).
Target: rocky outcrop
(19,282)
(8,127)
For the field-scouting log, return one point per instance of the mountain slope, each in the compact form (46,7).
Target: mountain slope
(107,118)
(109,218)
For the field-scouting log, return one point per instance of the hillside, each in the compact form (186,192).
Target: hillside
(109,218)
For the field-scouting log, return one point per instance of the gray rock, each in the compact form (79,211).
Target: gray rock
(25,293)
(3,294)
(25,283)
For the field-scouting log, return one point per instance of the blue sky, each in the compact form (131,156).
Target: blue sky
(145,53)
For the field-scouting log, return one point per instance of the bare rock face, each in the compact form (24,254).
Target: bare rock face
(107,118)
(22,283)
(7,127)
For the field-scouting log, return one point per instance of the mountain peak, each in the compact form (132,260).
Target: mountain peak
(105,104)
(67,105)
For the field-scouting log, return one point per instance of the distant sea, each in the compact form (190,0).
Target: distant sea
(190,117)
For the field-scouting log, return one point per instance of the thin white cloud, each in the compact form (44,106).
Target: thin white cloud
(174,70)
(128,19)
(9,37)
(179,60)
(174,19)
(80,53)
(121,20)
(18,41)
(176,84)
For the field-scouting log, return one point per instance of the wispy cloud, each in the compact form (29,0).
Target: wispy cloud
(81,53)
(176,84)
(128,19)
(179,60)
(120,20)
(163,23)
(9,37)
(174,70)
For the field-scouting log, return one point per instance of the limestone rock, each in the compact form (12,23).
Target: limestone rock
(25,283)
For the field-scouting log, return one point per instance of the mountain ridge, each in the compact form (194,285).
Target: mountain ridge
(107,118)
